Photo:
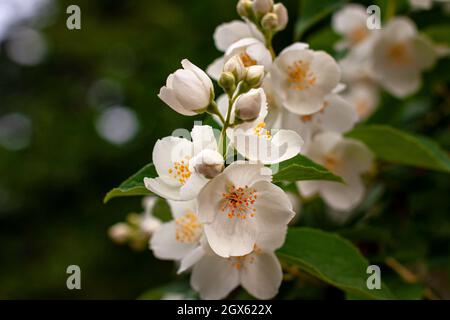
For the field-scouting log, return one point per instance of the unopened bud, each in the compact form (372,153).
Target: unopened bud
(262,6)
(255,76)
(119,232)
(280,10)
(270,21)
(208,162)
(235,66)
(227,81)
(243,7)
(248,106)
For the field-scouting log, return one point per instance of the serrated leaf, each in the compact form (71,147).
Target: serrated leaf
(400,147)
(301,168)
(134,185)
(312,12)
(332,259)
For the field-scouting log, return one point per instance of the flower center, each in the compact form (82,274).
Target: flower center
(239,202)
(307,118)
(300,76)
(399,53)
(247,60)
(331,162)
(362,106)
(261,131)
(358,35)
(180,170)
(238,262)
(188,228)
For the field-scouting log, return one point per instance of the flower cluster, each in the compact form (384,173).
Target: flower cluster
(392,57)
(228,217)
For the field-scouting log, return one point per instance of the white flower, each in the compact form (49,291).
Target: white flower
(399,56)
(344,157)
(364,97)
(282,14)
(254,140)
(251,51)
(208,162)
(236,67)
(239,205)
(303,78)
(351,23)
(119,232)
(255,76)
(421,4)
(337,115)
(179,239)
(259,271)
(188,91)
(171,156)
(148,223)
(248,106)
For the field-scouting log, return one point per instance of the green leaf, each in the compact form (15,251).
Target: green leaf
(332,259)
(134,185)
(301,168)
(312,12)
(399,147)
(440,33)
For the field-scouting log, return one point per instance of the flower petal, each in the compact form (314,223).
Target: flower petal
(203,138)
(180,208)
(190,259)
(343,197)
(214,277)
(230,32)
(215,68)
(159,187)
(167,95)
(165,245)
(262,278)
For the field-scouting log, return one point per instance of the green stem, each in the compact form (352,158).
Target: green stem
(213,109)
(391,9)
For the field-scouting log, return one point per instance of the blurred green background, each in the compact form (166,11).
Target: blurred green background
(53,179)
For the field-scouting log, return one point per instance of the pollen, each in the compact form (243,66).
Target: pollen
(188,228)
(261,131)
(307,118)
(239,262)
(358,35)
(247,60)
(300,76)
(180,170)
(239,202)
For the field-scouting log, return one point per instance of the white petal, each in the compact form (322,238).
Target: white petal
(273,207)
(262,278)
(201,75)
(400,28)
(402,85)
(242,174)
(308,188)
(159,187)
(343,196)
(210,197)
(190,259)
(272,240)
(190,91)
(322,144)
(339,115)
(358,158)
(180,208)
(231,236)
(295,47)
(166,152)
(203,138)
(167,95)
(214,277)
(165,245)
(192,186)
(215,68)
(228,33)
(327,71)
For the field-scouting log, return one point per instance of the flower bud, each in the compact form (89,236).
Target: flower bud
(243,7)
(188,91)
(119,232)
(227,81)
(235,66)
(270,21)
(280,10)
(255,76)
(208,162)
(262,6)
(248,106)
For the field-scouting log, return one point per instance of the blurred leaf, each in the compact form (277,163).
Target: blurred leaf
(400,147)
(324,39)
(440,34)
(312,12)
(134,185)
(332,259)
(301,168)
